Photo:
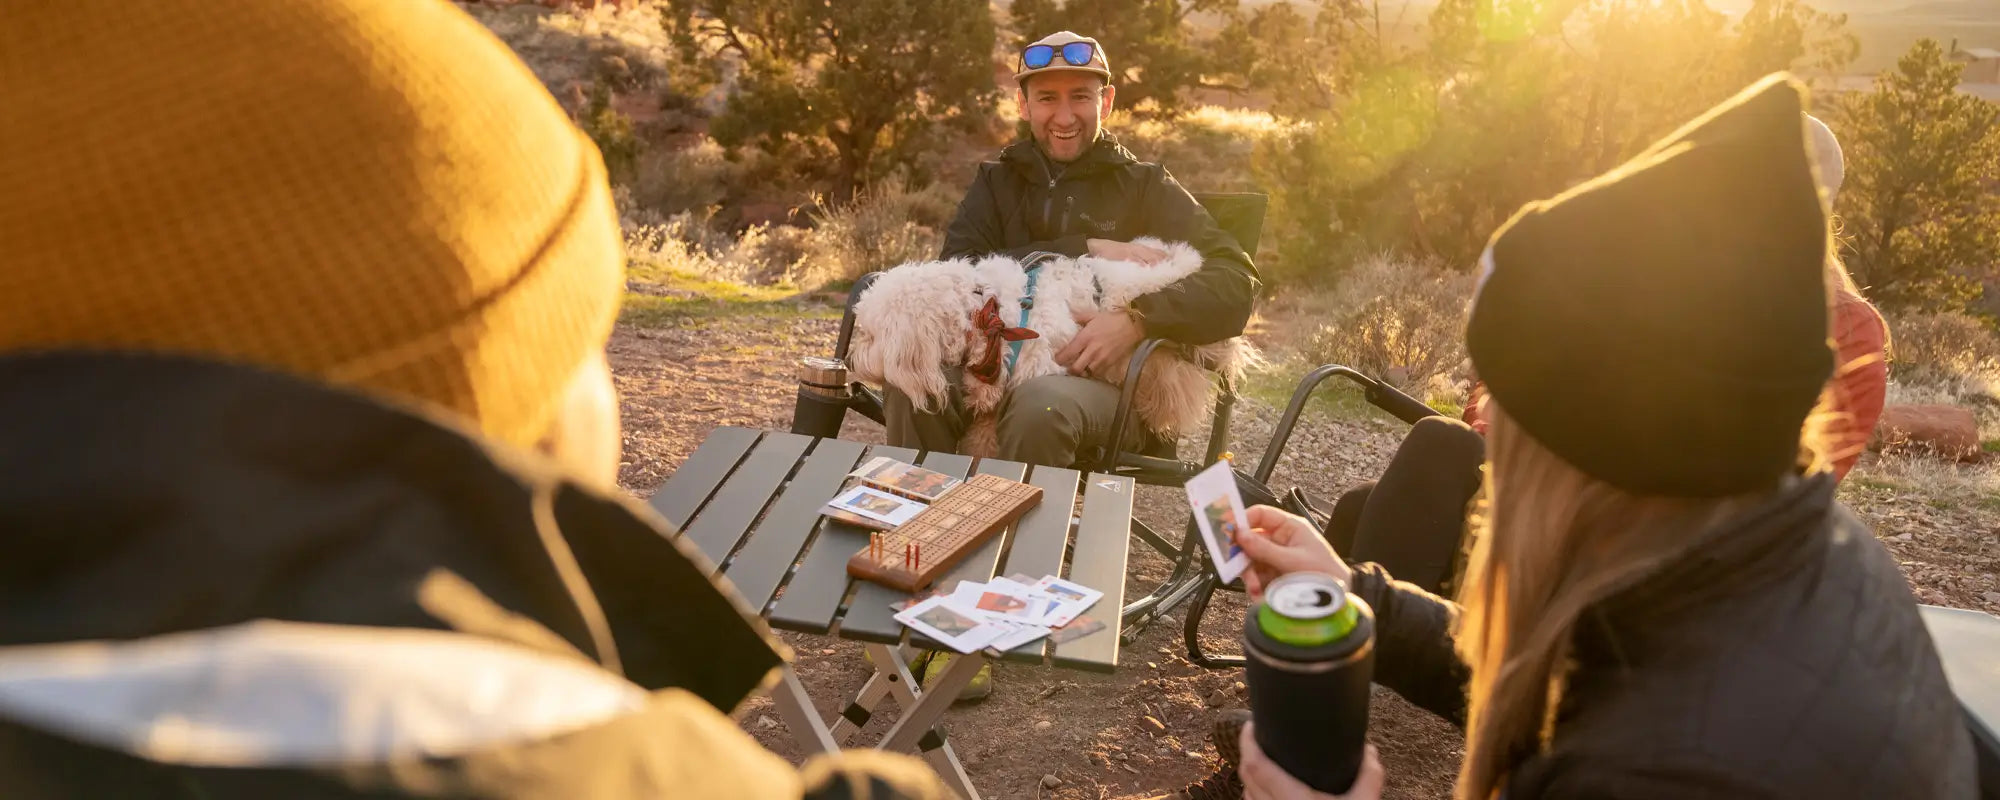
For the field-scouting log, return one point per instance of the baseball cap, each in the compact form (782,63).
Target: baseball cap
(1060,58)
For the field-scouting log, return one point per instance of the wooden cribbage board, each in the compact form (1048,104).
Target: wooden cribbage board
(945,533)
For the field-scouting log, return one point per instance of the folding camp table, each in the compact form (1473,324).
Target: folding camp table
(749,500)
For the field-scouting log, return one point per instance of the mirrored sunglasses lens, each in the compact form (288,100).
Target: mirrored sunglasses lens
(1038,56)
(1078,54)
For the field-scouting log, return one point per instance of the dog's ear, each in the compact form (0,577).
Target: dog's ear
(915,357)
(861,358)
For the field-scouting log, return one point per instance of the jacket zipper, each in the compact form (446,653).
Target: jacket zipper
(1048,200)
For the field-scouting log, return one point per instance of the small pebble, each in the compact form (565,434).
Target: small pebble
(1157,725)
(1904,537)
(1151,665)
(826,652)
(1051,781)
(1992,597)
(1044,725)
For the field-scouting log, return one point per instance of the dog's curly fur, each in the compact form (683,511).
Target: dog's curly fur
(915,321)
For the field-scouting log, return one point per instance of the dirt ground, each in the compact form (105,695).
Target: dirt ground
(1142,731)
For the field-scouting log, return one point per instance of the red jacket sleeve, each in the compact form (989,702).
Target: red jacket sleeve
(1860,379)
(1475,409)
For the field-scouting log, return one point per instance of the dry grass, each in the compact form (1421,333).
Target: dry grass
(565,47)
(1398,320)
(885,227)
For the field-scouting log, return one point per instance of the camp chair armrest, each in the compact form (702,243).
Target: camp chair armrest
(1378,394)
(1123,419)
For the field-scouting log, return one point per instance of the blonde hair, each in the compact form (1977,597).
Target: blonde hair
(1551,542)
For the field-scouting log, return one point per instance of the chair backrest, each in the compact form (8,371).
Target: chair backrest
(1239,213)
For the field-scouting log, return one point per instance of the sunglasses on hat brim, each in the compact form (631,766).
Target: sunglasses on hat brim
(1075,54)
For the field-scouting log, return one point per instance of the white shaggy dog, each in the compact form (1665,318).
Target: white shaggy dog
(919,319)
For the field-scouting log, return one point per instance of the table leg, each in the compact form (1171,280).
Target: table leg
(918,725)
(892,676)
(932,702)
(946,763)
(797,709)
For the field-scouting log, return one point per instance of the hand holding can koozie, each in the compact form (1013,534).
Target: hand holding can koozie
(1309,651)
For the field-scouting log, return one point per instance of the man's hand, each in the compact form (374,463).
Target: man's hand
(1104,346)
(1125,251)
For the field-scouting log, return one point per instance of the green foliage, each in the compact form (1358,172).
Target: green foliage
(1919,206)
(866,88)
(1426,150)
(1153,47)
(612,132)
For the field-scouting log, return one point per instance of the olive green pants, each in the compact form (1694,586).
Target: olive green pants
(1054,420)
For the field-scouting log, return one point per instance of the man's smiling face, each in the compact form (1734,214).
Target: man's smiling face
(1065,110)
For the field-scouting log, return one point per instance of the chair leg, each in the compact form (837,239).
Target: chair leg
(1159,543)
(1189,572)
(1191,630)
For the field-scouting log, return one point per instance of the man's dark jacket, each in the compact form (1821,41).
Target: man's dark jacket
(1025,203)
(1784,659)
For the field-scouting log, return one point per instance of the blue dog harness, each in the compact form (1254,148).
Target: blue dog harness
(1033,267)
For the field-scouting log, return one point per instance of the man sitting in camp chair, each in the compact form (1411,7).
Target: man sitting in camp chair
(1072,190)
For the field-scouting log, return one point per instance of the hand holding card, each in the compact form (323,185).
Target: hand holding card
(1218,510)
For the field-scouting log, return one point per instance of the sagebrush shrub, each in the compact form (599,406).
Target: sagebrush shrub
(1931,346)
(1397,320)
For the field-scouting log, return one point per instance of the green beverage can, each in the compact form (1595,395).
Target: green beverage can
(1309,650)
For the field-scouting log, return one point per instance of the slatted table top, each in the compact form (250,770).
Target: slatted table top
(749,500)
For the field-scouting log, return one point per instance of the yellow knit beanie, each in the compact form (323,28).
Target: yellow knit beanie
(372,193)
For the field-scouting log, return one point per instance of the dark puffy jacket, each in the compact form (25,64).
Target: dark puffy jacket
(267,588)
(1785,659)
(1025,203)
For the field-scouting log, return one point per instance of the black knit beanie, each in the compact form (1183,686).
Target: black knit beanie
(1663,326)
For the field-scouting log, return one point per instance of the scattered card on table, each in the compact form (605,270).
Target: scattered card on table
(936,618)
(1218,509)
(943,589)
(1005,601)
(1077,629)
(906,479)
(1076,598)
(1019,635)
(876,505)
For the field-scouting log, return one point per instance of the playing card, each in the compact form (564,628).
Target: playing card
(1218,510)
(1076,598)
(1081,627)
(943,589)
(936,618)
(909,480)
(1003,600)
(876,505)
(1019,635)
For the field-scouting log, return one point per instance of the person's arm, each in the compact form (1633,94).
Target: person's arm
(1413,628)
(1215,302)
(977,231)
(1860,381)
(1413,644)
